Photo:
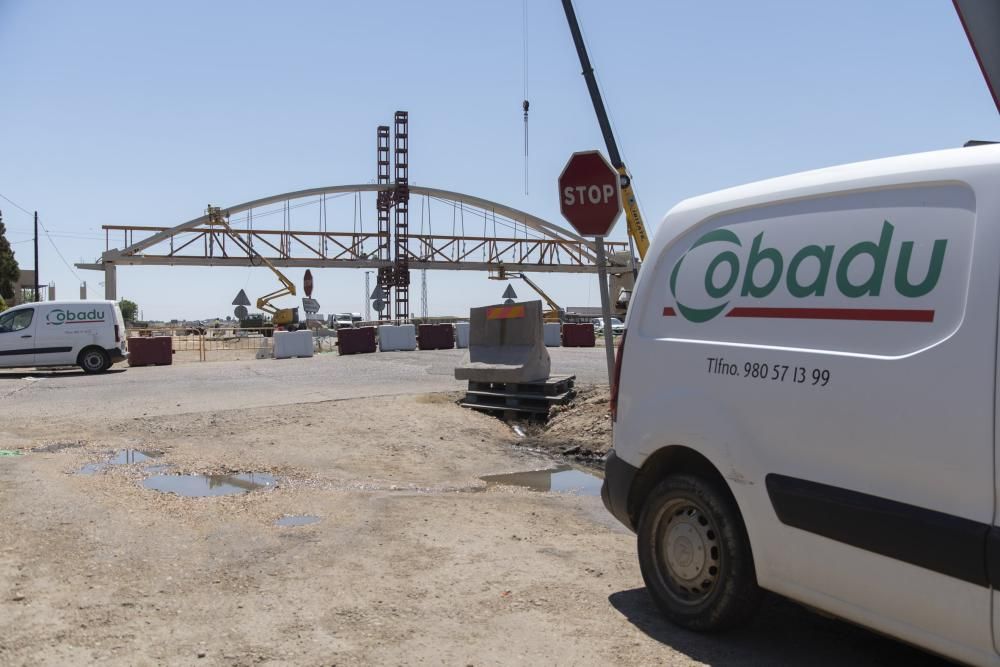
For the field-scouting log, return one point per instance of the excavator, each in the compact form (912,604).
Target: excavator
(280,317)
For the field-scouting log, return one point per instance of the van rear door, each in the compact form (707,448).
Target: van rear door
(17,337)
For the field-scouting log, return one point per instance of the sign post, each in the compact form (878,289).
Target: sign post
(590,200)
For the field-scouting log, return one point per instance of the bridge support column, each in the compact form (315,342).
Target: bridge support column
(110,282)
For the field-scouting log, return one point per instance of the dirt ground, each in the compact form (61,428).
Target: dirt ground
(414,560)
(579,430)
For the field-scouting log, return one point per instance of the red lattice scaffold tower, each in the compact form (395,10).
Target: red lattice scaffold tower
(383,204)
(401,265)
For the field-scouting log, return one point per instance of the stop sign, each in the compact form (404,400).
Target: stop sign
(307,283)
(590,193)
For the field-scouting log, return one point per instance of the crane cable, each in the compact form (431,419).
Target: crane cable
(525,104)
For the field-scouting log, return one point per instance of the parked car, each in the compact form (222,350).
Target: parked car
(88,334)
(617,326)
(805,401)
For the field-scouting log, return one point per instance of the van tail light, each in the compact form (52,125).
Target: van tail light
(616,377)
(118,334)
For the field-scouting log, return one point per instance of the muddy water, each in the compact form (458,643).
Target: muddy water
(210,485)
(559,480)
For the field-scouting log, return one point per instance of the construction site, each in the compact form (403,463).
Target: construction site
(333,468)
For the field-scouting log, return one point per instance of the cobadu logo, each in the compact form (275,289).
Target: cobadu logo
(812,271)
(59,316)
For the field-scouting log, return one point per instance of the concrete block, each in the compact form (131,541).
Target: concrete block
(506,344)
(462,335)
(552,334)
(356,341)
(392,338)
(289,344)
(436,336)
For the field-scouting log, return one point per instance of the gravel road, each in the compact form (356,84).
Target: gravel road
(414,559)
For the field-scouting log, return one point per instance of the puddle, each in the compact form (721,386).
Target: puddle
(296,520)
(559,480)
(91,468)
(120,458)
(210,485)
(126,456)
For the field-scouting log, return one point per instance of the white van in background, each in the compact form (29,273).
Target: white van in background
(806,401)
(88,334)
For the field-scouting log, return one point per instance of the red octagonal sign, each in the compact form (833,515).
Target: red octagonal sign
(590,194)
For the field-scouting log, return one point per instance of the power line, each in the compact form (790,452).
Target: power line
(56,248)
(15,203)
(51,242)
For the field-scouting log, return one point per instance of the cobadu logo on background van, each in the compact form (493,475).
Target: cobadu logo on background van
(814,272)
(60,316)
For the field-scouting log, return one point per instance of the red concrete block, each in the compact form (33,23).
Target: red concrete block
(155,351)
(356,341)
(436,336)
(578,335)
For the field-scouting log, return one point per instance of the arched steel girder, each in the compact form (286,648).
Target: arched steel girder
(538,224)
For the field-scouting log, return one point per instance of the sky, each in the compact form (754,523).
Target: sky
(123,112)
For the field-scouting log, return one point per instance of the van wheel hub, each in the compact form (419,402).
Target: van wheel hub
(690,551)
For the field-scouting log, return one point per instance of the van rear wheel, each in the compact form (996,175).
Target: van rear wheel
(94,360)
(695,555)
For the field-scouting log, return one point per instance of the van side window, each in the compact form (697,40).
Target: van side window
(16,321)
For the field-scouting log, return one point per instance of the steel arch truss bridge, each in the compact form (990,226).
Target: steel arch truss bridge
(455,232)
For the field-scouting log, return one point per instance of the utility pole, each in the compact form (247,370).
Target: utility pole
(37,273)
(368,296)
(423,293)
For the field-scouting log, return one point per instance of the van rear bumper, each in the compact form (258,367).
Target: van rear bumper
(116,355)
(618,478)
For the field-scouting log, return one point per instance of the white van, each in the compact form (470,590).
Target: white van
(88,334)
(806,401)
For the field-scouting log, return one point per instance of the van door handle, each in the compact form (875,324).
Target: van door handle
(26,336)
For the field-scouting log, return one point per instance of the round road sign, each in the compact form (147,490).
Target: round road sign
(590,194)
(307,283)
(240,312)
(378,305)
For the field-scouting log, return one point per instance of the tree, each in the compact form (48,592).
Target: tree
(9,271)
(130,310)
(3,305)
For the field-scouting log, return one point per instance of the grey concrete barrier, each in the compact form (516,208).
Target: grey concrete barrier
(506,344)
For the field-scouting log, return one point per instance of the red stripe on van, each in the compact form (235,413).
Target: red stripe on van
(865,314)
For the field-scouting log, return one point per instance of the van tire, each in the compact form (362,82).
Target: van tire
(705,581)
(94,360)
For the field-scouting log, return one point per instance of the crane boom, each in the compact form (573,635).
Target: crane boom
(633,217)
(282,316)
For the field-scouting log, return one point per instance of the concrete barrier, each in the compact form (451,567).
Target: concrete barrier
(150,351)
(436,336)
(506,345)
(578,335)
(461,335)
(552,334)
(288,344)
(356,341)
(395,338)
